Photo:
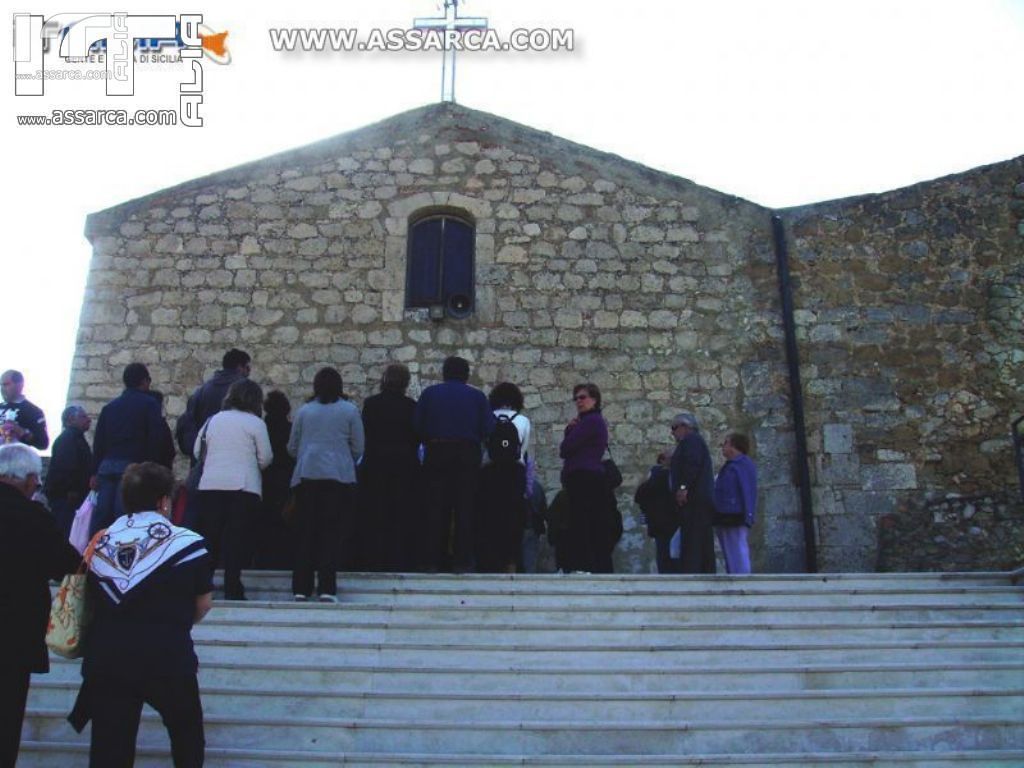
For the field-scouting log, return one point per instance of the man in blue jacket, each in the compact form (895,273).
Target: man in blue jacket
(453,419)
(735,502)
(130,429)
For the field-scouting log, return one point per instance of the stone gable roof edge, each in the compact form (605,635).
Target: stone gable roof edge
(451,122)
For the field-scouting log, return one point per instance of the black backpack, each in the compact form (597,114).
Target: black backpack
(503,443)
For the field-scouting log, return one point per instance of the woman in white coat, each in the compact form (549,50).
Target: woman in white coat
(237,449)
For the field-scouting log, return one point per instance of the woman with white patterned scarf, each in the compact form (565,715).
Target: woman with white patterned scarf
(149,582)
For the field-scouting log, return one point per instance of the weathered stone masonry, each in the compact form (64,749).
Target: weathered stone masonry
(588,267)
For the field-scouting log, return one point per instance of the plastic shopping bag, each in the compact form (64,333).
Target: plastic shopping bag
(79,537)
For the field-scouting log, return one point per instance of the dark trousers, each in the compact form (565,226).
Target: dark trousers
(225,520)
(698,550)
(589,544)
(13,695)
(666,563)
(323,526)
(115,706)
(108,502)
(451,470)
(64,510)
(389,516)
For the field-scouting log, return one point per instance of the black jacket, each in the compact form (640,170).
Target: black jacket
(391,440)
(30,417)
(204,403)
(35,552)
(70,467)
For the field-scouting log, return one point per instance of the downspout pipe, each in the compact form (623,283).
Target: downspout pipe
(796,393)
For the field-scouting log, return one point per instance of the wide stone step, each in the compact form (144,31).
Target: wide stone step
(340,674)
(631,654)
(694,602)
(36,755)
(823,734)
(906,582)
(622,615)
(460,706)
(643,635)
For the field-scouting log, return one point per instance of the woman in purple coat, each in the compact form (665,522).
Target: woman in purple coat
(591,537)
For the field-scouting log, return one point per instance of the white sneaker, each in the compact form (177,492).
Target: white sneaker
(300,598)
(328,598)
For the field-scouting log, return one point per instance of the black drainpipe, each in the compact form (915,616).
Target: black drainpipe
(795,392)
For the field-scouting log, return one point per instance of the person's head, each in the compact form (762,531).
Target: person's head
(683,424)
(20,468)
(236,360)
(395,379)
(276,405)
(327,385)
(75,416)
(11,385)
(244,395)
(455,369)
(146,487)
(506,395)
(734,444)
(136,376)
(587,397)
(664,458)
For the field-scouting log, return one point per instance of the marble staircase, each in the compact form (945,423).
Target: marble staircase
(921,670)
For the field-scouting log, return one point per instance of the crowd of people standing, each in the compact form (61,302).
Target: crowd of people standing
(445,483)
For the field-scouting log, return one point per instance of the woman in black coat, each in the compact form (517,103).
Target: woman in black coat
(389,476)
(149,582)
(273,550)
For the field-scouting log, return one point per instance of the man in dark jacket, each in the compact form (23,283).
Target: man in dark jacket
(453,419)
(130,429)
(70,470)
(208,398)
(656,500)
(694,482)
(20,420)
(35,553)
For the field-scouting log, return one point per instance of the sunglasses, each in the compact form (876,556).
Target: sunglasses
(581,396)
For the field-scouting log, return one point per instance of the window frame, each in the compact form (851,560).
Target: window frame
(442,214)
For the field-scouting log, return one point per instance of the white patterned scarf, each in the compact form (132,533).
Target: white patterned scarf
(137,546)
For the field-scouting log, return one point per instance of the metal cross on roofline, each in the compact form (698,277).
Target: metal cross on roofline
(450,22)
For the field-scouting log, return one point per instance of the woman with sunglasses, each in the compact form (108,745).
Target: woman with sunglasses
(590,538)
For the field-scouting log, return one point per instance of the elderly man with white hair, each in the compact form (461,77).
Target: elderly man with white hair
(693,480)
(34,552)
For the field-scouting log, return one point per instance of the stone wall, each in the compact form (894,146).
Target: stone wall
(958,533)
(909,308)
(588,267)
(910,313)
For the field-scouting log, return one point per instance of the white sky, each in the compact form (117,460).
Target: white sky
(782,102)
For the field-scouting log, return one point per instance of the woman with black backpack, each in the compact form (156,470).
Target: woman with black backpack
(501,498)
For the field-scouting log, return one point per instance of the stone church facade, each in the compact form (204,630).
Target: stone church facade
(588,267)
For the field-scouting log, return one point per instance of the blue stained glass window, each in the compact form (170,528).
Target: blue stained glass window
(440,262)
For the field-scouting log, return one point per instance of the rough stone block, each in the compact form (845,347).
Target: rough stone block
(838,438)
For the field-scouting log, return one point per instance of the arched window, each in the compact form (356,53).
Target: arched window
(440,264)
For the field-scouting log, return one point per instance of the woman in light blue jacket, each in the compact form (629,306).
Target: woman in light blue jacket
(327,442)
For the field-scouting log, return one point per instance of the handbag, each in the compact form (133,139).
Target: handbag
(612,473)
(79,537)
(70,611)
